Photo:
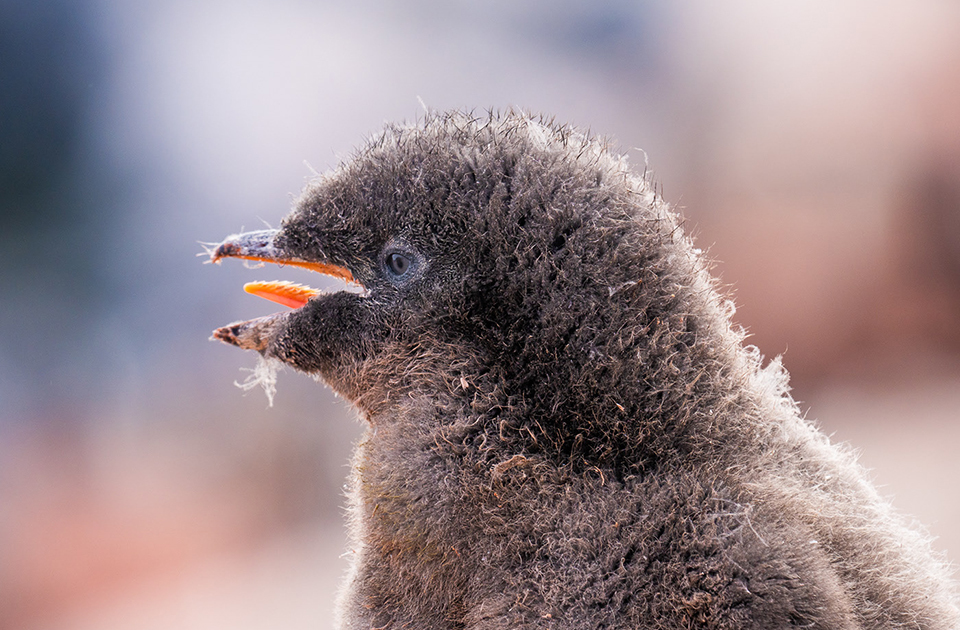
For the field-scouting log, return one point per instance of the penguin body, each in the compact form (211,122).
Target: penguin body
(564,428)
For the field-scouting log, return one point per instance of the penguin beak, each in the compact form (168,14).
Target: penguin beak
(259,246)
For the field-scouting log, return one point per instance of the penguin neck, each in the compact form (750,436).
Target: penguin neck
(624,393)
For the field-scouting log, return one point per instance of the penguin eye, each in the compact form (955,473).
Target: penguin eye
(398,263)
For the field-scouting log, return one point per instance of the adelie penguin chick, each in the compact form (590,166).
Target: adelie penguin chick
(564,428)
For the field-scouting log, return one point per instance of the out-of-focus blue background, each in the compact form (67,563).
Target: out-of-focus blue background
(814,147)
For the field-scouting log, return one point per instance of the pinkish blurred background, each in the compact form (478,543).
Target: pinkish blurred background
(813,146)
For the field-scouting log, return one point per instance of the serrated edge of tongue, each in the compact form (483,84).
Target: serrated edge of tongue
(282,292)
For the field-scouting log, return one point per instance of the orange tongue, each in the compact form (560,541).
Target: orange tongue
(282,292)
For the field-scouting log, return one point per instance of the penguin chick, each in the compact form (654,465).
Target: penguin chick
(564,430)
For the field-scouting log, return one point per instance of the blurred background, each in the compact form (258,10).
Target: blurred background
(813,146)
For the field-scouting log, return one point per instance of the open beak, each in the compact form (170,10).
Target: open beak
(259,246)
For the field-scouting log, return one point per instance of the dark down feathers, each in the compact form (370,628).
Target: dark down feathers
(565,431)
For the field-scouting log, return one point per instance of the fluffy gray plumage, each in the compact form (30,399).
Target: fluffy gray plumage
(564,428)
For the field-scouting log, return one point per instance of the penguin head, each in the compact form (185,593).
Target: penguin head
(494,241)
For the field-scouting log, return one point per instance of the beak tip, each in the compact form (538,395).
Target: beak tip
(254,245)
(226,335)
(253,334)
(225,249)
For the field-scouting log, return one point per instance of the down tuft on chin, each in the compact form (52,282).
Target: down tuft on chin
(264,375)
